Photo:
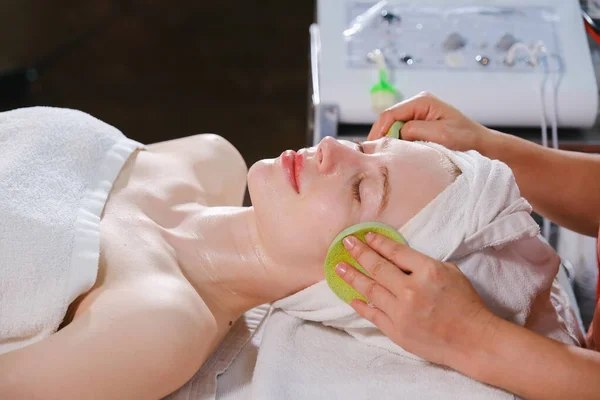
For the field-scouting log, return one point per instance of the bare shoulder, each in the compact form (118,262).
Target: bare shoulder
(201,147)
(218,166)
(137,341)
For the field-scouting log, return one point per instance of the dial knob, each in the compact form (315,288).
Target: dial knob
(483,60)
(506,41)
(389,17)
(454,42)
(407,59)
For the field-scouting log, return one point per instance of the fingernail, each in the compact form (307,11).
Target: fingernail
(348,242)
(370,236)
(341,269)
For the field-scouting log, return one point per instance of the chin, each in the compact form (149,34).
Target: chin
(256,175)
(261,182)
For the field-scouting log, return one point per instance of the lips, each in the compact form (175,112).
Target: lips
(292,164)
(298,166)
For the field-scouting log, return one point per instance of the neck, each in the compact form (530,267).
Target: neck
(221,252)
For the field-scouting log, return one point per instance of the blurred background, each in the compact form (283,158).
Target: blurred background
(159,70)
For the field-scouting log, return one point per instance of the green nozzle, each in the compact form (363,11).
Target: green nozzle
(383,85)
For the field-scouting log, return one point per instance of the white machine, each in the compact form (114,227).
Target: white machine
(504,63)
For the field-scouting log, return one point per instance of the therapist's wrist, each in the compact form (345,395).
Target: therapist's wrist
(487,140)
(472,357)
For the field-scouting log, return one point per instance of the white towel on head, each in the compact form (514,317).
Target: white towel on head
(483,225)
(57,167)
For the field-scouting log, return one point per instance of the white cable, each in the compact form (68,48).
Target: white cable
(554,109)
(512,51)
(554,113)
(546,224)
(542,86)
(533,51)
(540,48)
(379,59)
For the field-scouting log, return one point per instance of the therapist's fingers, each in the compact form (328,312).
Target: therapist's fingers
(375,294)
(377,316)
(428,131)
(400,255)
(424,106)
(381,301)
(378,267)
(428,118)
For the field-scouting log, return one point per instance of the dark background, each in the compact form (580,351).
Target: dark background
(159,70)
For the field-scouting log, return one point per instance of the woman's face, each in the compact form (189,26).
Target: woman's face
(303,199)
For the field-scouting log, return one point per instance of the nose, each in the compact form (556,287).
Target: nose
(330,153)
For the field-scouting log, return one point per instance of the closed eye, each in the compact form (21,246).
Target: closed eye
(356,189)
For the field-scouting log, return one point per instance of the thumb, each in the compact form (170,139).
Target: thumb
(426,131)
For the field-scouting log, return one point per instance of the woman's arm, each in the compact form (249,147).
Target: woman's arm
(530,365)
(563,186)
(127,346)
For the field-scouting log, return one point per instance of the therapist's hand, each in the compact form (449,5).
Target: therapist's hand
(430,119)
(427,307)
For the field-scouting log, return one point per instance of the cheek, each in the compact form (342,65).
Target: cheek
(329,215)
(298,226)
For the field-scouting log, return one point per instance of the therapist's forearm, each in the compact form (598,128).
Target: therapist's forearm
(532,366)
(563,186)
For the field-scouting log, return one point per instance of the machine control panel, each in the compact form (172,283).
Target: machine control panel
(462,52)
(446,36)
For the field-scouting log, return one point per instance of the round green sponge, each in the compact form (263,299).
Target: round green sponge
(338,253)
(394,130)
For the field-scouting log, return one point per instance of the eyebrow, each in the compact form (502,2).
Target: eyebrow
(386,189)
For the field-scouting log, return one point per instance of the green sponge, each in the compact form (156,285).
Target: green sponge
(338,253)
(394,130)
